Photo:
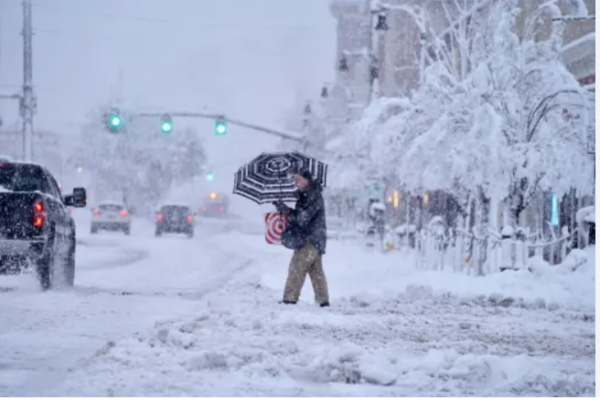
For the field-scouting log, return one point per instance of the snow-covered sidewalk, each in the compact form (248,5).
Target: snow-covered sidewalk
(391,331)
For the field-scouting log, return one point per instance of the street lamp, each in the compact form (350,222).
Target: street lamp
(381,22)
(378,24)
(343,65)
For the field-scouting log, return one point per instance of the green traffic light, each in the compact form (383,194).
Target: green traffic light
(166,124)
(210,177)
(113,121)
(220,128)
(116,121)
(166,127)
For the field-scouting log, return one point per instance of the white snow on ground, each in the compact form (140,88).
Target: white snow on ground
(122,285)
(390,331)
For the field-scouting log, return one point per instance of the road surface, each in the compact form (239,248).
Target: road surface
(123,285)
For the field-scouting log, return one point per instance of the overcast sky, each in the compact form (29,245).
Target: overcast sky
(247,58)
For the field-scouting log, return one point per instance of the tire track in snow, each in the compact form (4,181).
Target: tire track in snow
(45,334)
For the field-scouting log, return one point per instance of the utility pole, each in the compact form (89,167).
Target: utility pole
(28,99)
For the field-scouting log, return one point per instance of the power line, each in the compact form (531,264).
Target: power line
(135,41)
(175,22)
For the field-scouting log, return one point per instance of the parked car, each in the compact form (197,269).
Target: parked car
(35,226)
(111,216)
(172,218)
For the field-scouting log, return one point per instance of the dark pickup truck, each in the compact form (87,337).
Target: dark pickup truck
(36,228)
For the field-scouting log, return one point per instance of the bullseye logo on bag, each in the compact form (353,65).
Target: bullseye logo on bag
(275,224)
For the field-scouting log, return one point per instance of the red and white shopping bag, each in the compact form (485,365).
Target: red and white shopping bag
(275,224)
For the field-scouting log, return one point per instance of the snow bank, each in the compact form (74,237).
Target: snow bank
(391,331)
(355,272)
(243,343)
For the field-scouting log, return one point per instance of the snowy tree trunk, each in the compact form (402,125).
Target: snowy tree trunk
(484,219)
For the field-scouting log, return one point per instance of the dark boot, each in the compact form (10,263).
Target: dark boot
(287,302)
(326,304)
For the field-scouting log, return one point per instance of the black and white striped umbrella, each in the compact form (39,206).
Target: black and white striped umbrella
(269,177)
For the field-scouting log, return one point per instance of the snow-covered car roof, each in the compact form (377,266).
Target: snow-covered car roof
(174,205)
(109,203)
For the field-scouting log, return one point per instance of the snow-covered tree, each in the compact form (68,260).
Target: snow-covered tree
(139,163)
(544,111)
(514,123)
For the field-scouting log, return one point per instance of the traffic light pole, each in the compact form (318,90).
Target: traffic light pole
(280,133)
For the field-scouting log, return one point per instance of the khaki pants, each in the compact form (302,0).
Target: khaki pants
(307,260)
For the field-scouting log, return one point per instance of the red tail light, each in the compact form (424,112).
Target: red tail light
(96,212)
(190,218)
(159,217)
(39,214)
(124,213)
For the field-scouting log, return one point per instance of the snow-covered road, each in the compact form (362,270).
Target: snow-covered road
(174,316)
(391,331)
(123,285)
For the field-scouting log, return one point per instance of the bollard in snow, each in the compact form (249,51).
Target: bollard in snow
(521,255)
(507,249)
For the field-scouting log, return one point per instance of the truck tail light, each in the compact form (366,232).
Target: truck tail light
(96,212)
(123,213)
(190,218)
(39,214)
(159,217)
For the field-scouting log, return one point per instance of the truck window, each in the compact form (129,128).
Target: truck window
(54,188)
(23,178)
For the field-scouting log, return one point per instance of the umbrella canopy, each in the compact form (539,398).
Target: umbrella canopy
(269,177)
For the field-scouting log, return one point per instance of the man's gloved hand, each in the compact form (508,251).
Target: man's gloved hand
(281,207)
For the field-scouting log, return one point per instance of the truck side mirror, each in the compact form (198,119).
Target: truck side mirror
(78,199)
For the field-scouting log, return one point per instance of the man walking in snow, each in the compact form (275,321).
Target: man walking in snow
(309,230)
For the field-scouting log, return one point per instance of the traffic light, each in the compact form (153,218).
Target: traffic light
(210,176)
(166,124)
(114,120)
(220,128)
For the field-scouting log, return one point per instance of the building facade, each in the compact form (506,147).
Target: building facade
(402,46)
(352,61)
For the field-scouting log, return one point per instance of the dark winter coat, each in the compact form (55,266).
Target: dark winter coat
(309,217)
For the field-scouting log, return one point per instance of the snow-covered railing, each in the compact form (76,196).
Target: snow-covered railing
(483,253)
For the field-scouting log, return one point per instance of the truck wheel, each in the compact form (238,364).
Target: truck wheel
(45,265)
(190,234)
(94,229)
(127,230)
(157,233)
(70,265)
